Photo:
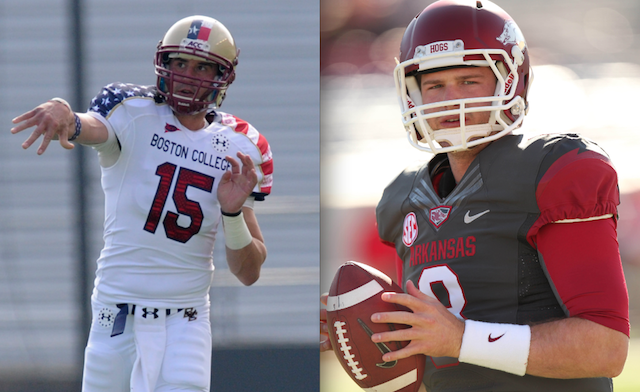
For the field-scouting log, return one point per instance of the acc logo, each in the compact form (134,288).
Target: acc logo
(439,215)
(409,229)
(106,317)
(220,143)
(196,44)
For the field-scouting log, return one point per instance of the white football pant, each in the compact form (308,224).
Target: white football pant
(156,352)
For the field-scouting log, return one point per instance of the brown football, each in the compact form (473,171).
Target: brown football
(355,294)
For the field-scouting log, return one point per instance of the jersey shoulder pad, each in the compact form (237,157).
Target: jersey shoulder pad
(240,126)
(263,160)
(114,94)
(576,180)
(389,210)
(403,183)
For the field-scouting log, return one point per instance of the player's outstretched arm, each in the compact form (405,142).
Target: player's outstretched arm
(245,248)
(54,120)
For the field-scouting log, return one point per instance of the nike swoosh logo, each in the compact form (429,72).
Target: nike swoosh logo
(381,346)
(470,218)
(491,340)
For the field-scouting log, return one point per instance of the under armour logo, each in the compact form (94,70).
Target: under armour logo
(146,312)
(192,313)
(105,317)
(220,143)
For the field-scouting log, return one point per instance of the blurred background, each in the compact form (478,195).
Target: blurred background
(51,213)
(586,66)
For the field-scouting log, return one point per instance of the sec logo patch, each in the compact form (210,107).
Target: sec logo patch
(409,229)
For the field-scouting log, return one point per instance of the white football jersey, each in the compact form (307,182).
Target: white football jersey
(161,209)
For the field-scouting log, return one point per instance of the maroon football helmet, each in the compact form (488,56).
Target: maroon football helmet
(196,38)
(460,33)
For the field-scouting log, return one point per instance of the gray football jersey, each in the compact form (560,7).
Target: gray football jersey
(470,246)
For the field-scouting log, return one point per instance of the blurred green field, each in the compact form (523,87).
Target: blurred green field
(629,380)
(334,379)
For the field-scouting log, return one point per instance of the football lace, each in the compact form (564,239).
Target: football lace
(348,356)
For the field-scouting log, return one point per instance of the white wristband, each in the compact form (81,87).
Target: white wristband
(502,347)
(236,232)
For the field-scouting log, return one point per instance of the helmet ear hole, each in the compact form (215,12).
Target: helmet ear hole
(162,84)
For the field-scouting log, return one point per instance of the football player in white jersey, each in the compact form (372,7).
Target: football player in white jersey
(173,166)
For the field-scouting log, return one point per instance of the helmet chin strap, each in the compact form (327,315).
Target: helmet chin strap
(453,136)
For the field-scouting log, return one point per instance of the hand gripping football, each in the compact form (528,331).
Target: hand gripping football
(355,294)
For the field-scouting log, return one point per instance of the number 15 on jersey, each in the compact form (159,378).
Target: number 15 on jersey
(184,206)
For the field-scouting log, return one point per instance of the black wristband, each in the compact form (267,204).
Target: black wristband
(230,213)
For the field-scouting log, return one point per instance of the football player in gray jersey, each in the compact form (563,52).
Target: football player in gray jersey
(507,246)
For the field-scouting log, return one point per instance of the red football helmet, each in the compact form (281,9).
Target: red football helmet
(198,38)
(458,33)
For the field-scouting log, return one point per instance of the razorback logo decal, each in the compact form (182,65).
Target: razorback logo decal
(439,215)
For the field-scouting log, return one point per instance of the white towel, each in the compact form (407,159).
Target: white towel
(150,334)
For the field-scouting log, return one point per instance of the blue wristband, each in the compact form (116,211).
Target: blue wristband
(78,128)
